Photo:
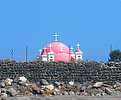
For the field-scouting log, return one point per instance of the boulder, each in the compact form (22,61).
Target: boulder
(71,93)
(71,83)
(89,87)
(36,91)
(108,91)
(8,81)
(54,93)
(43,82)
(56,84)
(3,90)
(49,87)
(11,92)
(98,84)
(2,84)
(23,79)
(65,93)
(3,96)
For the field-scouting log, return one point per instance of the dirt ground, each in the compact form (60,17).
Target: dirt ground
(63,98)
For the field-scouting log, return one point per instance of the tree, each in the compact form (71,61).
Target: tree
(115,55)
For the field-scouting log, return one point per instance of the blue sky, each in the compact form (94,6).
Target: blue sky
(95,24)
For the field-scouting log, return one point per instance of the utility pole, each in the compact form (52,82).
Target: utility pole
(110,47)
(12,54)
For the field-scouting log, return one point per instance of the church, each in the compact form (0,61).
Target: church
(58,51)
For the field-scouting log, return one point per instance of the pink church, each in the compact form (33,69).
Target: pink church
(58,51)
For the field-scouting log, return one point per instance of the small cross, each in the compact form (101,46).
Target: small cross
(71,48)
(45,48)
(61,47)
(56,36)
(40,50)
(50,46)
(78,45)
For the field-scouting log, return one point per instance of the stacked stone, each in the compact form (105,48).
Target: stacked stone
(62,71)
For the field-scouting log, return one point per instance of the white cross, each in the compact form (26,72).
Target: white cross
(71,48)
(56,36)
(78,45)
(44,48)
(40,50)
(50,46)
(61,47)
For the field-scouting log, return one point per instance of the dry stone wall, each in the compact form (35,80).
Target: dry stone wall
(62,71)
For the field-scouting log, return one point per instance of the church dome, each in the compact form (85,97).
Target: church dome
(57,47)
(58,51)
(61,51)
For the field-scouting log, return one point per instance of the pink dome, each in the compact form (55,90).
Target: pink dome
(56,48)
(71,53)
(78,50)
(61,51)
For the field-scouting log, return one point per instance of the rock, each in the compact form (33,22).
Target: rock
(83,88)
(71,83)
(108,91)
(22,83)
(57,90)
(11,92)
(36,91)
(65,93)
(43,82)
(23,79)
(41,91)
(49,87)
(54,93)
(3,90)
(98,84)
(71,93)
(2,84)
(56,84)
(89,87)
(3,95)
(8,81)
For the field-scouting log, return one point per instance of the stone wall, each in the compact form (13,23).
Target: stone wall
(62,71)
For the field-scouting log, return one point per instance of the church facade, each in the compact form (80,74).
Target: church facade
(58,51)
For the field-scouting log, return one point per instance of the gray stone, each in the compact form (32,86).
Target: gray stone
(2,84)
(56,84)
(89,87)
(83,88)
(43,82)
(65,93)
(3,90)
(21,83)
(54,93)
(108,91)
(36,91)
(3,95)
(11,92)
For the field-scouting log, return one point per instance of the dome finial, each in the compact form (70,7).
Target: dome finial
(71,49)
(40,50)
(78,45)
(56,36)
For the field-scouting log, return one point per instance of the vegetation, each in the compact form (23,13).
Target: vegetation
(115,55)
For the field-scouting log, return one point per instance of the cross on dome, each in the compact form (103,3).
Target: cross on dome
(61,47)
(40,50)
(56,36)
(78,45)
(44,48)
(50,46)
(71,48)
